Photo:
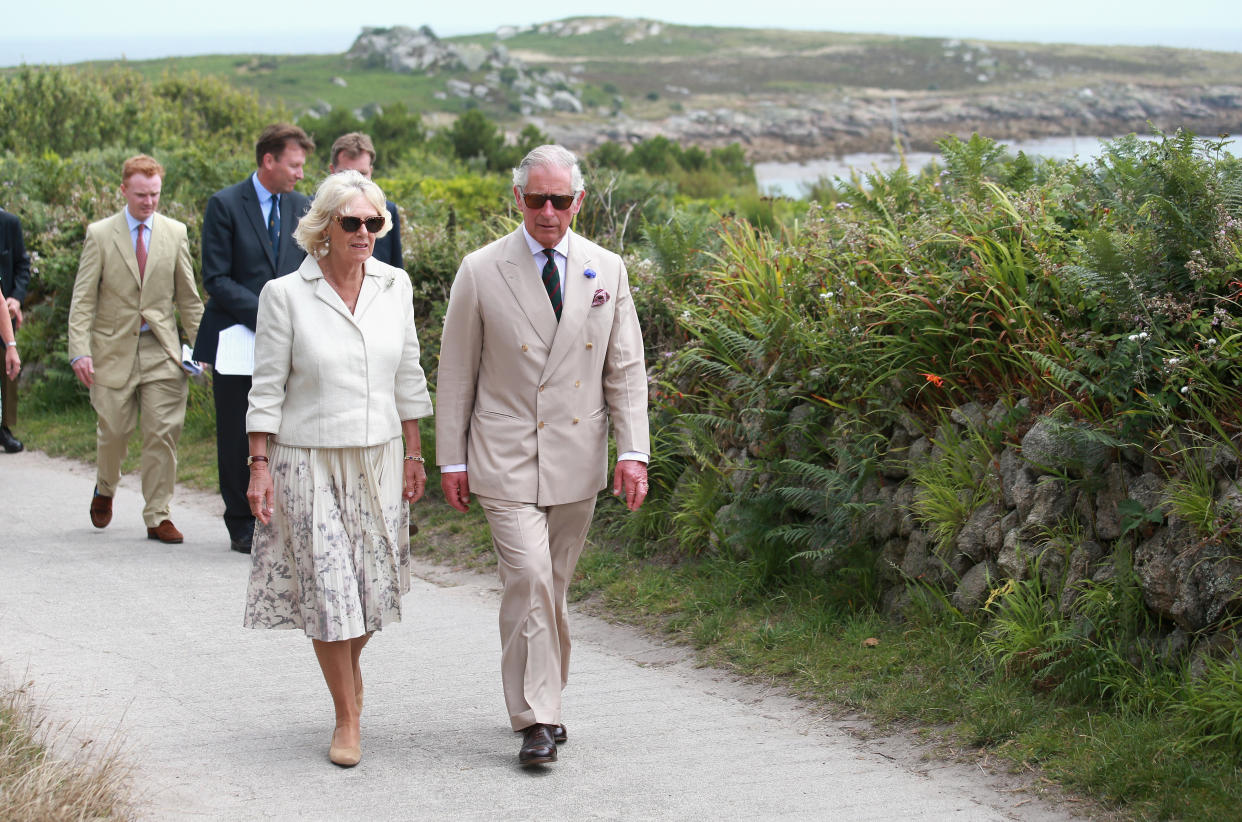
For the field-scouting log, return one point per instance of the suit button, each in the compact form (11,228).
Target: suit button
(541,424)
(525,347)
(575,420)
(543,386)
(577,383)
(590,346)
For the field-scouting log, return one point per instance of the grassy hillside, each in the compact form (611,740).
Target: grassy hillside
(655,69)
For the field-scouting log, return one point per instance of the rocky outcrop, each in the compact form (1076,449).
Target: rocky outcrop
(1069,509)
(406,50)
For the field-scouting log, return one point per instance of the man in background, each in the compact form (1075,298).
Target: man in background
(134,277)
(355,151)
(247,241)
(14,279)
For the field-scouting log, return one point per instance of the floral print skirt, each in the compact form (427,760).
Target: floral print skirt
(335,558)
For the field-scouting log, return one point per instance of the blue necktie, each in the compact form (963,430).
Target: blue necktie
(552,281)
(273,225)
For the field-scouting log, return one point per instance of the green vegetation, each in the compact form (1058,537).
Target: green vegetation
(784,339)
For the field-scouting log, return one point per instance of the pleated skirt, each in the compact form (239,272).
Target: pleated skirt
(335,558)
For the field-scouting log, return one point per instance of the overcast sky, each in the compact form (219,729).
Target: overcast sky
(68,31)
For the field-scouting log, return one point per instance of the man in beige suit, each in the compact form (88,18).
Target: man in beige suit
(541,348)
(134,274)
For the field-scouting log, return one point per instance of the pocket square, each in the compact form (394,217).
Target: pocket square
(601,297)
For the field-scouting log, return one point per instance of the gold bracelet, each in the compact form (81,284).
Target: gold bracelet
(415,458)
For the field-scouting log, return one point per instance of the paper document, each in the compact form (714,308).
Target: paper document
(235,351)
(191,366)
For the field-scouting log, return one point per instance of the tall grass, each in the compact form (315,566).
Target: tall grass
(47,775)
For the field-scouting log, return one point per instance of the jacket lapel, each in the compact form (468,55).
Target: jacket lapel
(579,292)
(254,215)
(371,284)
(522,276)
(162,247)
(310,271)
(120,234)
(288,219)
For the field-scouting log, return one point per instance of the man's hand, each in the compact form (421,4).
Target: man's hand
(629,482)
(15,312)
(456,488)
(84,368)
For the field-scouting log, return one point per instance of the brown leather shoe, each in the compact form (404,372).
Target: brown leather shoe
(537,745)
(560,734)
(101,510)
(165,532)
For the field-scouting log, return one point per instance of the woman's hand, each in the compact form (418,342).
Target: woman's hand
(259,493)
(415,480)
(12,362)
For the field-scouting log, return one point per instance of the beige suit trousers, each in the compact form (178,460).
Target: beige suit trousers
(537,549)
(156,391)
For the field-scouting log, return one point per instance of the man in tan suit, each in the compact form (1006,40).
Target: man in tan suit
(541,348)
(134,272)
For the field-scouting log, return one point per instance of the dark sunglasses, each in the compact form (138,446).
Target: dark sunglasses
(351,224)
(559,201)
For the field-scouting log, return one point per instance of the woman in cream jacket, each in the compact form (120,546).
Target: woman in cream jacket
(337,387)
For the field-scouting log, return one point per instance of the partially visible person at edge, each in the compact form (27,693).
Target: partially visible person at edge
(356,151)
(247,241)
(541,348)
(134,278)
(337,386)
(12,360)
(14,279)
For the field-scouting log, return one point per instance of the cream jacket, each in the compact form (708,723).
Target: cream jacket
(325,378)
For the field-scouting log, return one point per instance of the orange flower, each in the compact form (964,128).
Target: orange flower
(934,380)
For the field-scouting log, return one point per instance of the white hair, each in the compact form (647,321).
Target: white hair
(549,156)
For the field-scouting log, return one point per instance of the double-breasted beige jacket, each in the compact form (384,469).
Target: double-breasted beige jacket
(524,401)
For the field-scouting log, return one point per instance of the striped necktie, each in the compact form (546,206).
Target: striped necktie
(552,281)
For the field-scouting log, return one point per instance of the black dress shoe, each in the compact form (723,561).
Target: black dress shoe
(11,443)
(560,734)
(537,745)
(241,546)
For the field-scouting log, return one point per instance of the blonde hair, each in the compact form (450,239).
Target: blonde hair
(333,195)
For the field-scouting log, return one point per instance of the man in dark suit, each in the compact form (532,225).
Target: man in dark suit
(247,241)
(14,277)
(355,151)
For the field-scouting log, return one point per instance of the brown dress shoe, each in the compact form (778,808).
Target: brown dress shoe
(560,734)
(538,748)
(101,510)
(165,532)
